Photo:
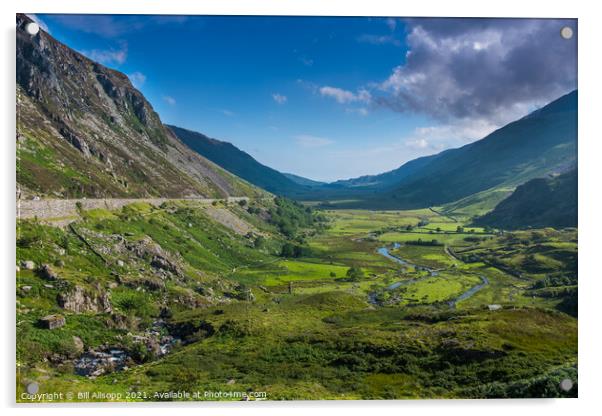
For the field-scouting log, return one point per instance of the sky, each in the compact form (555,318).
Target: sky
(332,98)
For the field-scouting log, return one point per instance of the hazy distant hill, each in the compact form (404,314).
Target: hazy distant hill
(303,181)
(84,130)
(543,142)
(238,162)
(539,203)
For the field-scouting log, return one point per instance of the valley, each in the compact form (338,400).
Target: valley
(155,263)
(377,304)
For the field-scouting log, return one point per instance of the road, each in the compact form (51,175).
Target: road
(65,209)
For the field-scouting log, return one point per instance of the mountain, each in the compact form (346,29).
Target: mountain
(388,179)
(238,162)
(303,181)
(539,203)
(84,130)
(538,144)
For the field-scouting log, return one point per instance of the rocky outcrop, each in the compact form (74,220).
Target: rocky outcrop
(147,249)
(86,113)
(80,300)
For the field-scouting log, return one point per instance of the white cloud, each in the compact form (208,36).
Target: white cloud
(113,26)
(40,22)
(279,98)
(109,56)
(497,69)
(431,139)
(417,144)
(306,61)
(137,78)
(227,112)
(362,111)
(379,39)
(309,141)
(169,100)
(391,23)
(343,96)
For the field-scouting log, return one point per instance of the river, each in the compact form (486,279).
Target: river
(384,251)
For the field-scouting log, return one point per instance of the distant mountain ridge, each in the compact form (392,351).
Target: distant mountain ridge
(303,181)
(84,130)
(538,203)
(240,163)
(543,142)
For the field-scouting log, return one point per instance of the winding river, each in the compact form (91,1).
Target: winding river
(384,251)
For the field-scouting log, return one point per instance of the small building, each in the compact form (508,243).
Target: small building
(494,307)
(52,321)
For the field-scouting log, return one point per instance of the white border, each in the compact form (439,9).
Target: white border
(590,95)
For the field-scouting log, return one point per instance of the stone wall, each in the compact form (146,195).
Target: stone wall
(67,208)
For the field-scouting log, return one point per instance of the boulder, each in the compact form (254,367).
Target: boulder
(79,344)
(52,321)
(47,273)
(81,300)
(28,265)
(147,249)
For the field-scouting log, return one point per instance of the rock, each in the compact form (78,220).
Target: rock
(147,249)
(47,286)
(18,269)
(25,288)
(231,382)
(79,344)
(120,263)
(59,263)
(46,272)
(118,321)
(52,321)
(80,300)
(28,265)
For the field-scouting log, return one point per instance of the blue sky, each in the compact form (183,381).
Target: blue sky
(332,98)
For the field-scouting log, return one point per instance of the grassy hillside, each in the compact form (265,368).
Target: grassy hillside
(238,162)
(541,143)
(539,203)
(183,300)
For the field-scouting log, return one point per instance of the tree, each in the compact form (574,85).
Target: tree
(459,229)
(259,242)
(288,250)
(355,273)
(242,202)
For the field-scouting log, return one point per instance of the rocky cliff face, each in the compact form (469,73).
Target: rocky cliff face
(84,130)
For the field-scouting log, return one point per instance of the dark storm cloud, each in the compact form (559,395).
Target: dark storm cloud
(496,69)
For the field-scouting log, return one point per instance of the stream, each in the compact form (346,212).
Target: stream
(384,251)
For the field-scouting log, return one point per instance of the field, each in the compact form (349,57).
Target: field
(376,305)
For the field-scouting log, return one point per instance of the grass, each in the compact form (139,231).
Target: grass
(326,340)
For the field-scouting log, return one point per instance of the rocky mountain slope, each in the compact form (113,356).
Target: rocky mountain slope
(84,130)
